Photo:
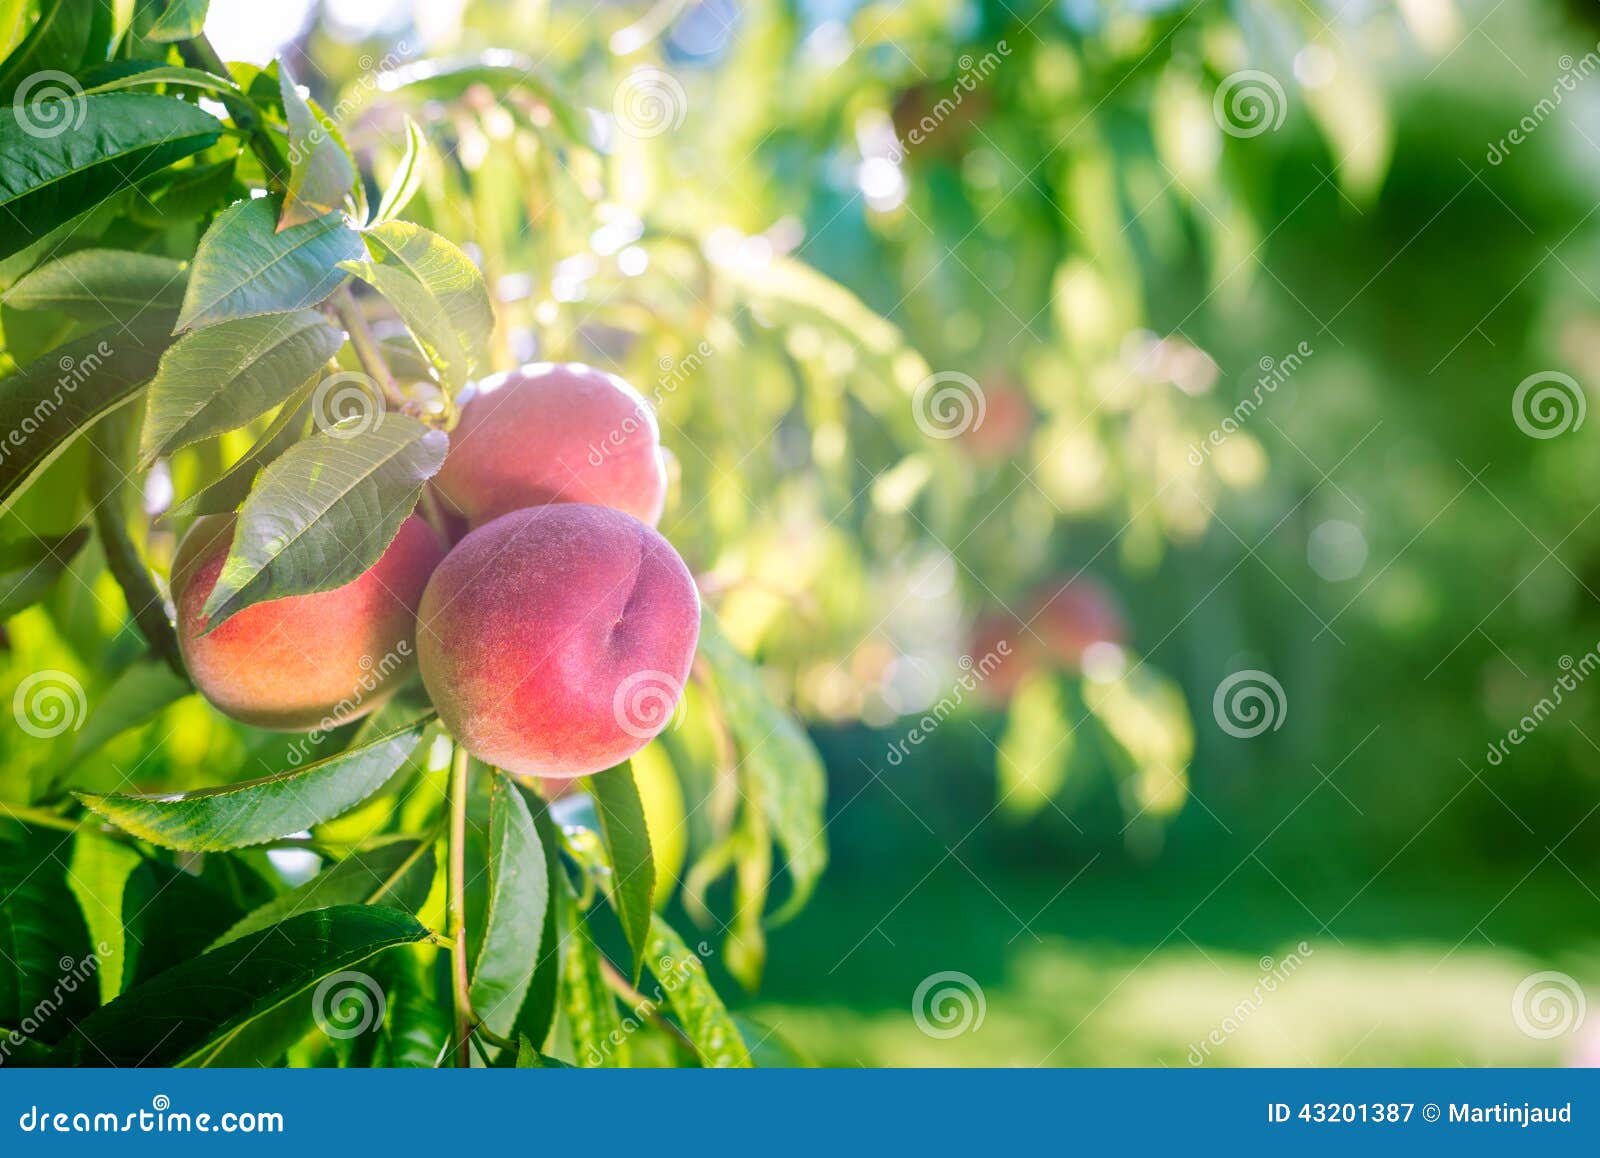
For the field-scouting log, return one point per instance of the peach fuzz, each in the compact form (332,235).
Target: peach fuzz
(307,661)
(555,641)
(553,433)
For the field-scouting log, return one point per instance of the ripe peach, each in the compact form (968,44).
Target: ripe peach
(308,661)
(551,433)
(555,641)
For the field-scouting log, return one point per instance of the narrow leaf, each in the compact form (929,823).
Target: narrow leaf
(225,493)
(700,1011)
(396,875)
(221,377)
(182,1013)
(48,403)
(101,286)
(437,291)
(148,72)
(60,157)
(320,171)
(44,937)
(245,267)
(98,876)
(407,178)
(141,693)
(633,872)
(253,811)
(590,1008)
(519,894)
(325,511)
(30,567)
(778,766)
(181,20)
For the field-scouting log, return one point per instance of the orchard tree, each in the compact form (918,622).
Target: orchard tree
(265,440)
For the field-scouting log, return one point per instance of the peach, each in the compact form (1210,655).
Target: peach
(551,433)
(307,661)
(555,640)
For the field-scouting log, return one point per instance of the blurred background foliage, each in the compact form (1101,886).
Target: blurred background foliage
(740,207)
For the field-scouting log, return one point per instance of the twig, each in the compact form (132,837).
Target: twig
(199,53)
(457,905)
(638,1002)
(368,350)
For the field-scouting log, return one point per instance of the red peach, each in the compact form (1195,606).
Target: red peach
(555,641)
(551,433)
(307,661)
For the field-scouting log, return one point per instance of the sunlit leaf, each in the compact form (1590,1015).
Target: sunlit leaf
(701,1013)
(101,286)
(246,267)
(222,377)
(253,811)
(325,511)
(519,893)
(30,567)
(627,841)
(321,173)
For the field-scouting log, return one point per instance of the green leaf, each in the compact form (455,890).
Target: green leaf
(100,145)
(184,1012)
(30,567)
(98,877)
(221,377)
(538,1011)
(397,875)
(58,40)
(320,171)
(225,493)
(181,20)
(141,693)
(627,841)
(48,403)
(101,286)
(519,894)
(253,811)
(438,292)
(529,1057)
(499,70)
(778,765)
(170,915)
(586,999)
(149,72)
(245,267)
(416,1031)
(325,511)
(705,1020)
(407,178)
(44,937)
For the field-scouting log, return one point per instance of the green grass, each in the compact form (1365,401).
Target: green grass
(1130,966)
